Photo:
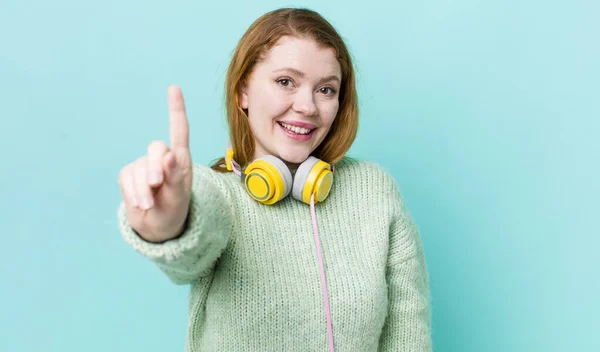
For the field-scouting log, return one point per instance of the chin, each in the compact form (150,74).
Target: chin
(294,156)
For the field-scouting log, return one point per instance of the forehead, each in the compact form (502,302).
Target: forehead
(302,54)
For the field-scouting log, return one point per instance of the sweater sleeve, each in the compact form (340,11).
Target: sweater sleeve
(209,224)
(408,323)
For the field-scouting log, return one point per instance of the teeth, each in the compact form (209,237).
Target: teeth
(296,129)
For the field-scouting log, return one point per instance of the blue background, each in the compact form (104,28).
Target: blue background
(490,112)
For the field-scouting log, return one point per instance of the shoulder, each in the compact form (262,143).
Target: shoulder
(207,173)
(380,196)
(353,169)
(205,176)
(369,180)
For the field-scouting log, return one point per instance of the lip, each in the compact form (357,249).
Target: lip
(297,136)
(299,124)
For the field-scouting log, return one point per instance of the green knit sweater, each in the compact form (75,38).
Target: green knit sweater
(255,275)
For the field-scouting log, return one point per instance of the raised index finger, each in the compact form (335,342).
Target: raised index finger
(177,119)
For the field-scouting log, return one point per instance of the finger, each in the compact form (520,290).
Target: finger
(143,193)
(127,186)
(156,151)
(177,119)
(173,174)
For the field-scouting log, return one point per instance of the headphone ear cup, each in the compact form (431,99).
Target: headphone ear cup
(312,176)
(229,157)
(268,180)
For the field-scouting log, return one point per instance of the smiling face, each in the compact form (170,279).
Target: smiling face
(292,98)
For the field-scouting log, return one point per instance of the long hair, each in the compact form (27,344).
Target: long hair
(260,37)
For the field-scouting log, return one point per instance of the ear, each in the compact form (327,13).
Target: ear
(243,96)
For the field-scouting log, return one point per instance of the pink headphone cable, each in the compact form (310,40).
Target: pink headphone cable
(235,167)
(323,281)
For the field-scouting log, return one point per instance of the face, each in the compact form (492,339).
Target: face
(292,99)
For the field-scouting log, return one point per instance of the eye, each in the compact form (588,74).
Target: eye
(327,90)
(286,82)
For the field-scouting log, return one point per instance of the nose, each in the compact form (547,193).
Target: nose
(304,103)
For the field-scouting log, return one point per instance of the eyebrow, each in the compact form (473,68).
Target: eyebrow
(302,75)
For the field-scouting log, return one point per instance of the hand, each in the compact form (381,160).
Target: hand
(156,188)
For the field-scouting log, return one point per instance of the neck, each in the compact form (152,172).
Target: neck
(291,166)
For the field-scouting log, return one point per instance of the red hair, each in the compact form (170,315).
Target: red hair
(260,37)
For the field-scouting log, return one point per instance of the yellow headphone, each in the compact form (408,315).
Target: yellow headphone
(268,180)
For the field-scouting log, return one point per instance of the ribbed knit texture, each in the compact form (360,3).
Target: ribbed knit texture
(255,275)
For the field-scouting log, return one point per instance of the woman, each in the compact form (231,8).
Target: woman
(245,232)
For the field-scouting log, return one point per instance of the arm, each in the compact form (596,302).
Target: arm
(408,324)
(194,253)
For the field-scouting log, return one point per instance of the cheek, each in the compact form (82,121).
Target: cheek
(269,104)
(329,112)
